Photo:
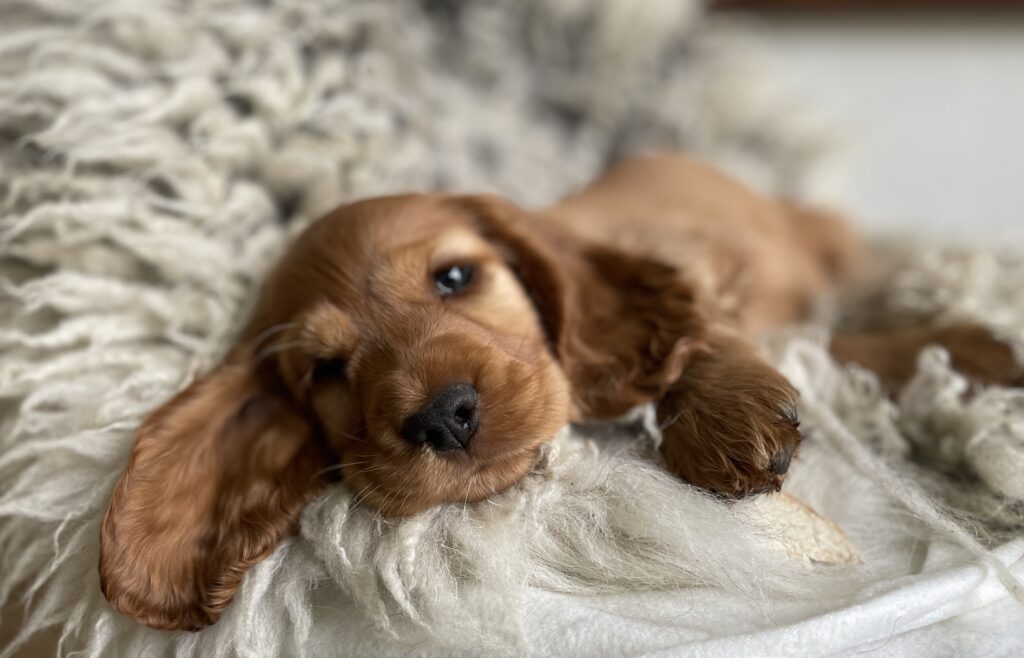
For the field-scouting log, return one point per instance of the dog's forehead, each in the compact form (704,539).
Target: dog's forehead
(368,231)
(376,251)
(383,233)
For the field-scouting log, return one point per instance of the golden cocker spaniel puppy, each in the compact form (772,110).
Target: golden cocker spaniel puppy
(426,345)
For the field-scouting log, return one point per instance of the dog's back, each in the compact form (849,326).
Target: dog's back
(760,261)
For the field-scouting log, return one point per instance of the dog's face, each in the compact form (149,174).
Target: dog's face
(425,347)
(400,326)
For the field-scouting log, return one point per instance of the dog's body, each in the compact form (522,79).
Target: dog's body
(425,346)
(752,264)
(758,262)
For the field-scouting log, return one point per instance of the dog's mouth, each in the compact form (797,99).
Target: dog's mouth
(428,478)
(474,434)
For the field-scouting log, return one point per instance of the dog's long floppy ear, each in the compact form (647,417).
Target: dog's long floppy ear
(622,326)
(216,478)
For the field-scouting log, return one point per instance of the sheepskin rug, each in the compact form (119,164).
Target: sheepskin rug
(157,156)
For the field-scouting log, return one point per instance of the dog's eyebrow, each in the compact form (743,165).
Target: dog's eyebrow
(457,243)
(403,273)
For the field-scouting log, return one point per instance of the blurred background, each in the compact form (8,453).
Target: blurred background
(929,96)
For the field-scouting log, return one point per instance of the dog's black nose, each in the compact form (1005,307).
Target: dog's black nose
(447,422)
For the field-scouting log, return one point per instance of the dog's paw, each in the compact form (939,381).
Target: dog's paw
(893,354)
(733,435)
(978,353)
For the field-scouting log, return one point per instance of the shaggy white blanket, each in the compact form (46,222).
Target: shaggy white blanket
(155,158)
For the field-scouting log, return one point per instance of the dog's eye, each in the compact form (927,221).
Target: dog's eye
(328,369)
(453,280)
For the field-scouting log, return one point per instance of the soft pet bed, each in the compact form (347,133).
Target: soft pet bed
(155,159)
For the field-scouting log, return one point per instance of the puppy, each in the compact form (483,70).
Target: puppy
(427,345)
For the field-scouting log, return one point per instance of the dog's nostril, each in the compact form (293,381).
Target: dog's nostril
(447,422)
(433,437)
(464,414)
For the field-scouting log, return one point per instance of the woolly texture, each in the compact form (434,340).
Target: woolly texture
(157,156)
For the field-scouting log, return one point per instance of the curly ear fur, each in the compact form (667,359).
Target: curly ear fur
(216,478)
(622,326)
(635,326)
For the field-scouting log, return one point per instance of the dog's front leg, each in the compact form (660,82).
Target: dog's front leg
(729,424)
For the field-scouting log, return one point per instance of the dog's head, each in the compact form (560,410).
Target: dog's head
(422,347)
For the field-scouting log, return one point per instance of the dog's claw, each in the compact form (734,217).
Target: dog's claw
(779,463)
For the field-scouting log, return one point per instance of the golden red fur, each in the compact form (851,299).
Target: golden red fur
(646,286)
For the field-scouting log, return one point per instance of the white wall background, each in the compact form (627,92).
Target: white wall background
(933,110)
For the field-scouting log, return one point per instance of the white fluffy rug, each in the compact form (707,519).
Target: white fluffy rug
(154,159)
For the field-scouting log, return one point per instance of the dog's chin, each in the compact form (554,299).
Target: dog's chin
(423,479)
